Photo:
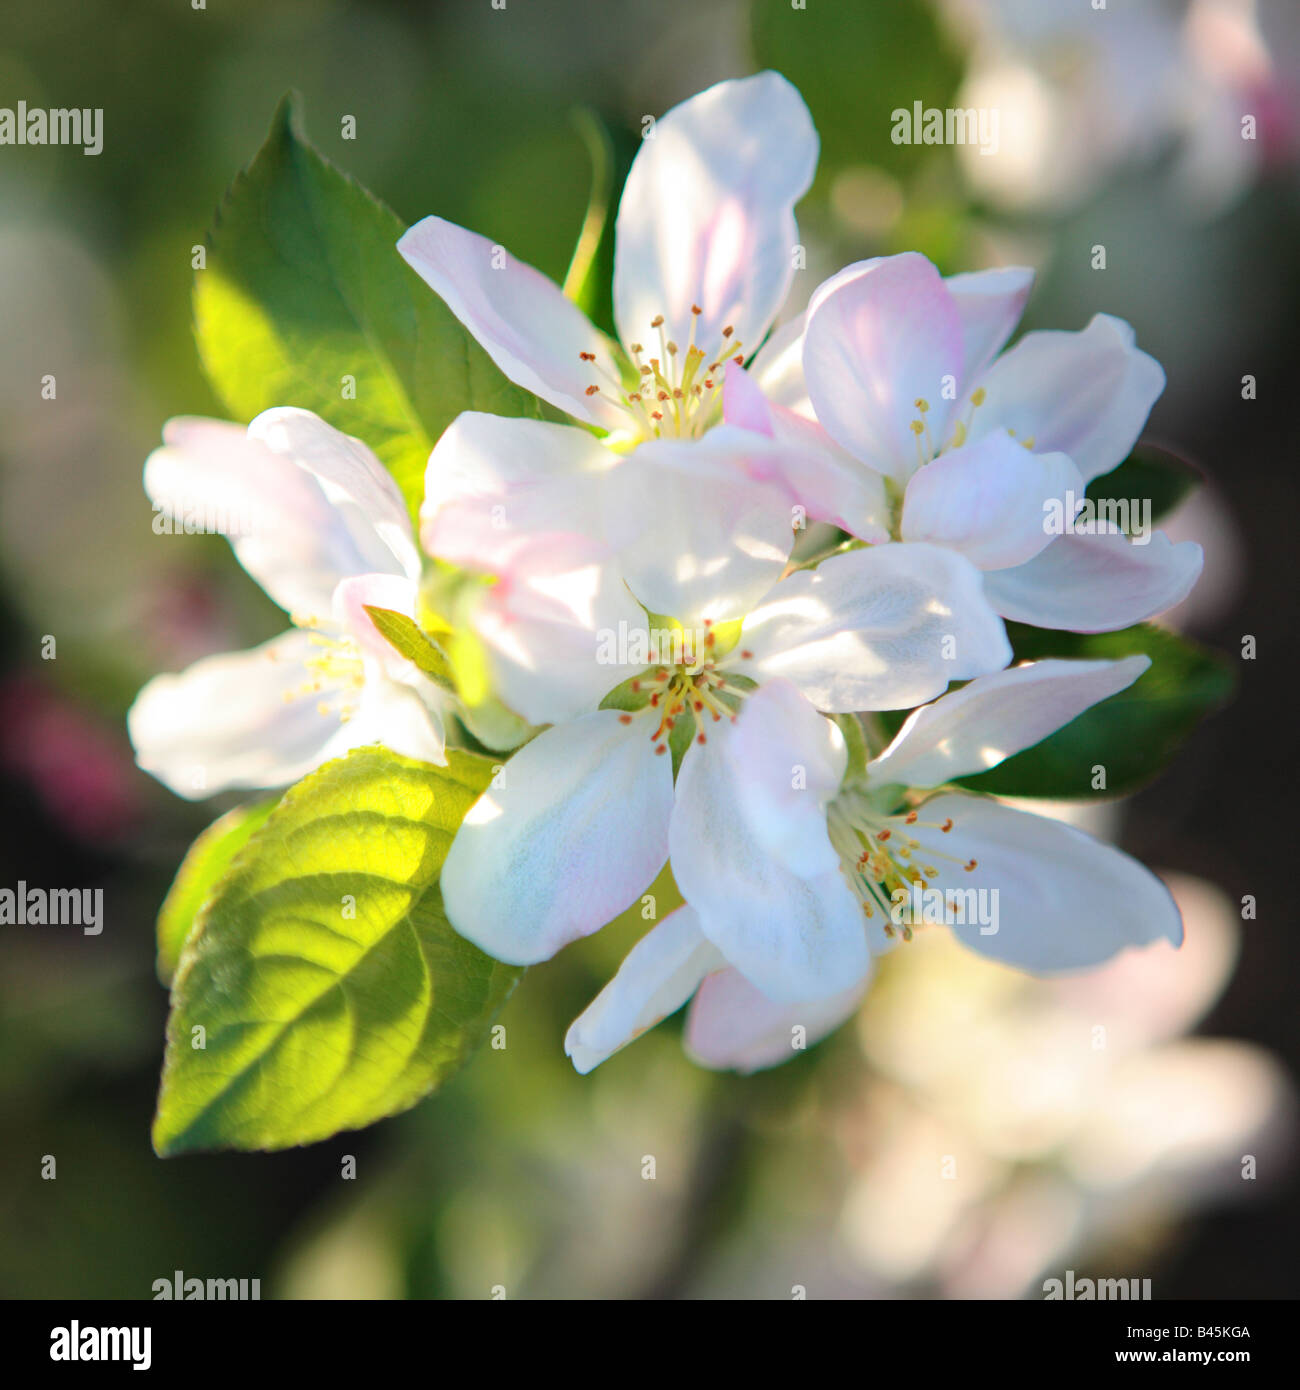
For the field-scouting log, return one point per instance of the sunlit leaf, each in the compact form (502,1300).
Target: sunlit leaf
(305,301)
(323,987)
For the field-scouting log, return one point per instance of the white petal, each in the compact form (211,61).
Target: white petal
(399,705)
(886,627)
(1064,900)
(658,975)
(707,214)
(240,719)
(561,634)
(976,727)
(881,335)
(495,484)
(353,480)
(1096,583)
(826,481)
(1085,394)
(573,835)
(788,761)
(990,303)
(402,715)
(733,1026)
(388,591)
(987,501)
(283,529)
(696,534)
(520,319)
(795,938)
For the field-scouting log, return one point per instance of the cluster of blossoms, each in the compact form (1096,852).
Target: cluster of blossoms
(676,509)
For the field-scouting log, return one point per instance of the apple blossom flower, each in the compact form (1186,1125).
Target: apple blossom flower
(982,451)
(705,236)
(584,815)
(320,525)
(703,259)
(772,818)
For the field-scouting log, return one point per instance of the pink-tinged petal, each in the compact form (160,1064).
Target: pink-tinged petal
(289,536)
(987,501)
(733,1026)
(778,368)
(882,335)
(743,402)
(560,632)
(697,536)
(1096,583)
(707,214)
(495,486)
(788,761)
(795,938)
(1085,394)
(399,705)
(886,627)
(1064,901)
(658,975)
(572,835)
(353,480)
(975,728)
(519,318)
(240,719)
(354,596)
(828,483)
(990,303)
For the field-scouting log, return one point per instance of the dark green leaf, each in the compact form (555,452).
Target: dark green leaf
(1134,734)
(1149,474)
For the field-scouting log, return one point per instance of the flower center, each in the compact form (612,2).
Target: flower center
(883,856)
(699,691)
(676,393)
(334,670)
(925,449)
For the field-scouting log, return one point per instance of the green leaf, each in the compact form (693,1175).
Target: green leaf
(206,860)
(330,988)
(1149,474)
(413,643)
(580,284)
(304,290)
(1134,734)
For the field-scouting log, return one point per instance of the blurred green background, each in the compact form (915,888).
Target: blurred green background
(521,1173)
